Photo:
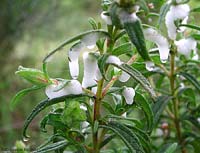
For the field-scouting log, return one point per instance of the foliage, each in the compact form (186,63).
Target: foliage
(105,109)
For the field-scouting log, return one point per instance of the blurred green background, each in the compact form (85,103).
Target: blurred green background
(29,29)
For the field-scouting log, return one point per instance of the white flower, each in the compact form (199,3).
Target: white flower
(73,55)
(106,18)
(124,77)
(129,94)
(162,43)
(90,68)
(113,60)
(198,120)
(176,12)
(149,65)
(72,88)
(126,17)
(185,46)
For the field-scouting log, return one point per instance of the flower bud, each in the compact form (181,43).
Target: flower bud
(129,94)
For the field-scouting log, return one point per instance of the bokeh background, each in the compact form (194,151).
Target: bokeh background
(29,29)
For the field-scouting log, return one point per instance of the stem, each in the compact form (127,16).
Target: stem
(96,115)
(175,101)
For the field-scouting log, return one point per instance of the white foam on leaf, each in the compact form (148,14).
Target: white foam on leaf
(129,94)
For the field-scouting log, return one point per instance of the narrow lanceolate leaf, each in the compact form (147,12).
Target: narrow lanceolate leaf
(41,106)
(195,9)
(127,136)
(107,140)
(163,11)
(135,74)
(135,33)
(143,5)
(114,10)
(122,49)
(73,39)
(159,107)
(146,107)
(101,64)
(171,148)
(190,26)
(16,99)
(191,79)
(52,147)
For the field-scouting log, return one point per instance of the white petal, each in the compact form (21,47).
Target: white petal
(74,68)
(98,74)
(162,43)
(149,65)
(129,94)
(124,77)
(125,17)
(113,60)
(176,12)
(106,18)
(72,88)
(90,67)
(185,46)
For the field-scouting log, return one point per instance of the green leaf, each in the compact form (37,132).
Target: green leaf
(146,107)
(102,64)
(190,26)
(122,49)
(191,79)
(114,14)
(78,37)
(93,23)
(52,147)
(34,76)
(143,5)
(135,74)
(41,106)
(107,140)
(163,11)
(196,36)
(16,99)
(171,148)
(197,9)
(127,136)
(136,35)
(159,107)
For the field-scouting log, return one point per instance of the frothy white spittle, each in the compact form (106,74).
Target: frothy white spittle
(129,94)
(106,18)
(73,55)
(149,65)
(113,60)
(72,88)
(124,77)
(90,67)
(162,43)
(185,46)
(176,12)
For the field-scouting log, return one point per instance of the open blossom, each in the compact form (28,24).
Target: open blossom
(129,94)
(162,43)
(124,77)
(73,56)
(185,46)
(176,12)
(72,87)
(90,70)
